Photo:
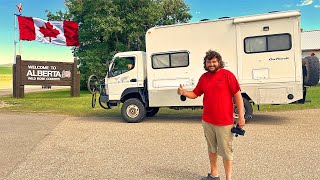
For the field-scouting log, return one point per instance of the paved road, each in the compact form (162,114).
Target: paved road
(277,145)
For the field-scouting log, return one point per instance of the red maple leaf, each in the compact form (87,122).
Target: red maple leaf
(49,31)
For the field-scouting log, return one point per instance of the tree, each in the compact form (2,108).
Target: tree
(110,26)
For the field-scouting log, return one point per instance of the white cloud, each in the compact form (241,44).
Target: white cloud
(305,3)
(197,12)
(287,5)
(317,6)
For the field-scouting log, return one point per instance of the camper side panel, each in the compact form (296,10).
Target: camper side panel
(186,43)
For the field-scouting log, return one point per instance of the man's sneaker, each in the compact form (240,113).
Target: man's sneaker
(209,177)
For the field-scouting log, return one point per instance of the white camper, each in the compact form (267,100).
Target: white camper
(263,51)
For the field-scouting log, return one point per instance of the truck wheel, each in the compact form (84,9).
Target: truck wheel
(151,111)
(310,67)
(133,110)
(248,111)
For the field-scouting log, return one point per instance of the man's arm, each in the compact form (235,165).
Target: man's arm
(188,94)
(239,103)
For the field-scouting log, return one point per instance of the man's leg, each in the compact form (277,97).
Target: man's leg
(228,168)
(211,139)
(213,163)
(225,148)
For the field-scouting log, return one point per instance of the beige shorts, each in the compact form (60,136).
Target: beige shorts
(219,139)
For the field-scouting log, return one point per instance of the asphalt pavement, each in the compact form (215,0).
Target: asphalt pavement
(277,145)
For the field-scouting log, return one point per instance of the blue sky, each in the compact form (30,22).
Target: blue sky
(30,50)
(200,9)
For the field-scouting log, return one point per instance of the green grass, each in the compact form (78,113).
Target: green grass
(5,70)
(56,102)
(60,102)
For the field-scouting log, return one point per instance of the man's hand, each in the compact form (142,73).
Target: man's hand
(180,90)
(188,94)
(241,121)
(239,102)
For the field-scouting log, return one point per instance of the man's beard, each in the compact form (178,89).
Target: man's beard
(212,71)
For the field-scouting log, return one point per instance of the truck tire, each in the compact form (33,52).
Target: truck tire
(310,67)
(152,111)
(248,111)
(133,110)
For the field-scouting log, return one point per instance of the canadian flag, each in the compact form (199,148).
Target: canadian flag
(63,33)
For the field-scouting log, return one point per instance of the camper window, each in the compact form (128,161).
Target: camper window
(170,60)
(268,43)
(161,61)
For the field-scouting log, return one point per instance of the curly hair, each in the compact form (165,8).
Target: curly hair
(210,54)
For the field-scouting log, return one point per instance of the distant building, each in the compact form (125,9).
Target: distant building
(310,43)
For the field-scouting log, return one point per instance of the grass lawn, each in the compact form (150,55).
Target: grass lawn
(56,101)
(60,102)
(5,70)
(5,77)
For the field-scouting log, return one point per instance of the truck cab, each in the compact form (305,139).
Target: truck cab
(126,74)
(125,80)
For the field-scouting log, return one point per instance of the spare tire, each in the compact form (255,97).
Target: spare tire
(310,67)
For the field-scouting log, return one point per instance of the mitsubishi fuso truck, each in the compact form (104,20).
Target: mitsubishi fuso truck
(263,51)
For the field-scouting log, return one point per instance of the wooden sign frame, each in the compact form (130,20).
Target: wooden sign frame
(45,73)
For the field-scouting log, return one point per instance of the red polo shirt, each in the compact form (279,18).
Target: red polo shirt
(218,89)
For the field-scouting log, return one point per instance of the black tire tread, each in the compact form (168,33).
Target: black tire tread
(311,76)
(152,111)
(138,103)
(92,90)
(248,108)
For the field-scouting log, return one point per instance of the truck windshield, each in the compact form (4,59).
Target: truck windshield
(121,65)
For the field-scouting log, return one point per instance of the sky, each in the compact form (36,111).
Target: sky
(199,9)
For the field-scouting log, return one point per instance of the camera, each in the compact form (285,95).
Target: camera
(238,131)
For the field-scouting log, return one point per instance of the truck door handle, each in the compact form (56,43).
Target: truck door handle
(133,80)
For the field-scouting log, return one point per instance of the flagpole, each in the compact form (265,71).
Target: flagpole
(15,35)
(14,39)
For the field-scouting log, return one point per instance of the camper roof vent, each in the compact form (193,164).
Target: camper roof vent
(224,17)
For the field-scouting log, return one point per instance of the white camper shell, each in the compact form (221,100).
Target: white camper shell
(263,51)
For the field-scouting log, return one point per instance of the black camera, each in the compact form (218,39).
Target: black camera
(236,130)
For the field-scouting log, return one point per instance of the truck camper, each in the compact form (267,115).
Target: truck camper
(263,52)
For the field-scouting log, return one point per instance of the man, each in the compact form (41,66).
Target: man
(130,66)
(219,87)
